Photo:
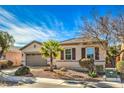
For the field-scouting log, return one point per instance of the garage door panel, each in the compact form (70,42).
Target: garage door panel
(35,60)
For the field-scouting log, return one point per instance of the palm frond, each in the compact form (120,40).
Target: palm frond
(51,47)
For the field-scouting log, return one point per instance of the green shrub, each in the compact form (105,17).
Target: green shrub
(99,68)
(111,73)
(55,66)
(92,74)
(5,64)
(22,71)
(120,66)
(87,63)
(10,63)
(46,69)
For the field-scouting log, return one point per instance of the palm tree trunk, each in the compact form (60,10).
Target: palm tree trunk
(51,63)
(113,61)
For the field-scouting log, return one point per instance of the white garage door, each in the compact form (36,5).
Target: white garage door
(35,60)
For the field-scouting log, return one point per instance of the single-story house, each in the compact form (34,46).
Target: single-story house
(77,48)
(31,55)
(14,55)
(74,50)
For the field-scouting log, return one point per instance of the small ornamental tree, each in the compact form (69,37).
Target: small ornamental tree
(87,63)
(6,41)
(120,66)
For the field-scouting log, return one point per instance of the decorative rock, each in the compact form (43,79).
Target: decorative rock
(17,79)
(63,69)
(29,75)
(46,69)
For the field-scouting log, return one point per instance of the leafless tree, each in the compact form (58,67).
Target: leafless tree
(106,28)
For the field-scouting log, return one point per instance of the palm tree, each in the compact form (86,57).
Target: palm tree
(6,40)
(112,52)
(50,49)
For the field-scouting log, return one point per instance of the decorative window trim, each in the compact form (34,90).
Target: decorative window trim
(65,53)
(87,53)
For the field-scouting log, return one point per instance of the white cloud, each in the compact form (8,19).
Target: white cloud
(24,33)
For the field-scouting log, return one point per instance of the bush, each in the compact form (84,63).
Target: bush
(111,73)
(46,69)
(120,66)
(22,71)
(99,68)
(9,63)
(87,63)
(22,65)
(55,66)
(5,64)
(92,74)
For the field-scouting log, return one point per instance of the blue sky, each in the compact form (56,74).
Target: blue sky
(41,23)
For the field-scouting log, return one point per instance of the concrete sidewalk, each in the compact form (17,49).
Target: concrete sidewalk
(45,82)
(58,83)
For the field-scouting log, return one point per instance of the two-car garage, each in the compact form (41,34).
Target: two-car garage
(31,55)
(35,60)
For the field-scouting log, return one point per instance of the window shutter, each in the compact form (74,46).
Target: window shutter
(122,56)
(73,53)
(62,55)
(83,53)
(96,53)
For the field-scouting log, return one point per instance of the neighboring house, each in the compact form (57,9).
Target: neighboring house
(31,55)
(77,48)
(14,55)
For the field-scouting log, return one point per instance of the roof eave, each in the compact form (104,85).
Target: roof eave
(30,44)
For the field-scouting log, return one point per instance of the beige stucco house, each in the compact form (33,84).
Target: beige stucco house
(31,55)
(74,50)
(77,48)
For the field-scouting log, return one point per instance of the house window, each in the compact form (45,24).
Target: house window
(68,54)
(90,52)
(34,46)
